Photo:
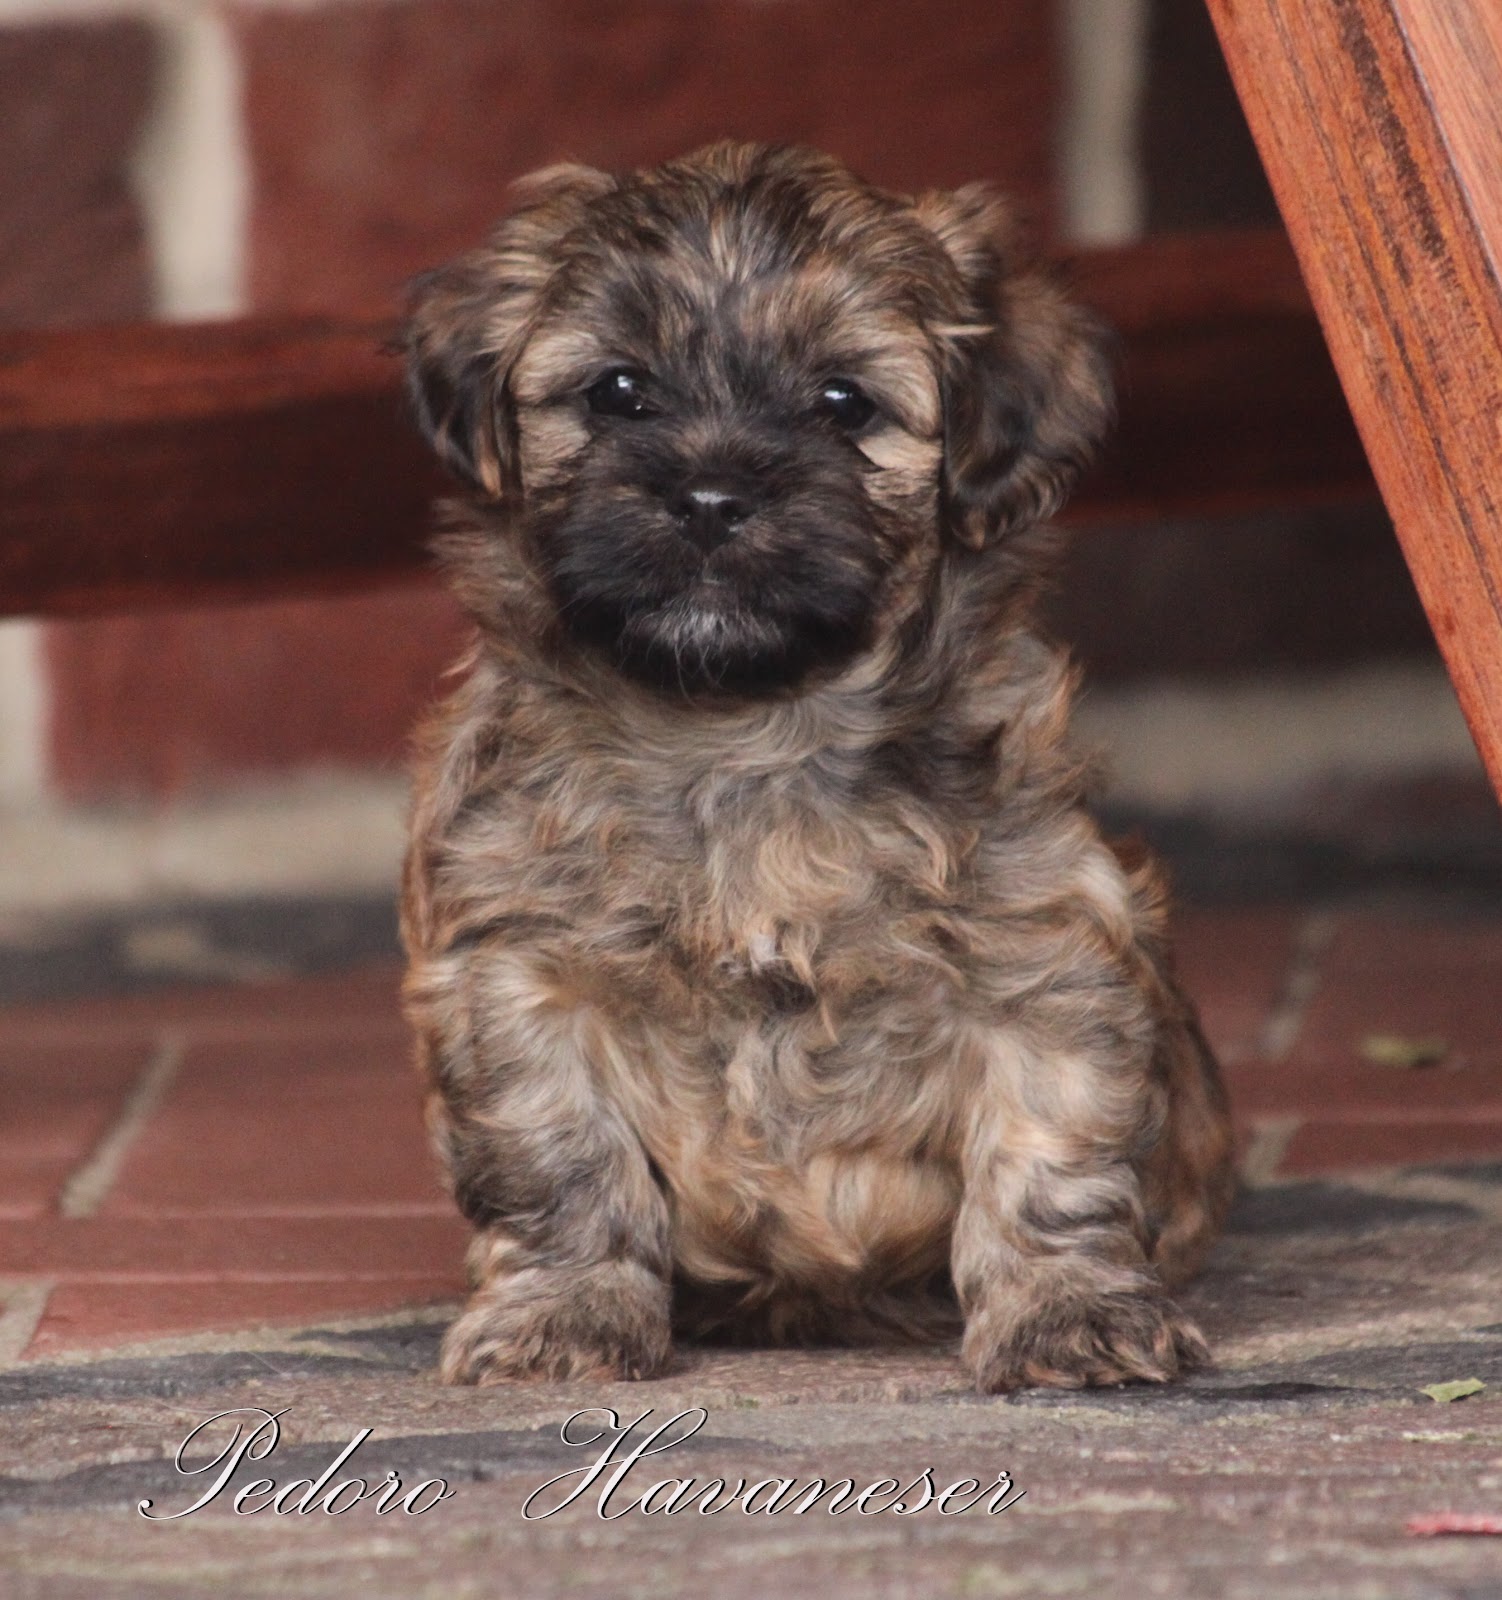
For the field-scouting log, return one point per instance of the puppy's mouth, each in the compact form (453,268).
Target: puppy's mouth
(729,623)
(705,640)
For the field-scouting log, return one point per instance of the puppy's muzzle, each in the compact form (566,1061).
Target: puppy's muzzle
(710,508)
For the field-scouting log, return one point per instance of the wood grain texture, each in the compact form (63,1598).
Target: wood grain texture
(151,463)
(1380,124)
(148,464)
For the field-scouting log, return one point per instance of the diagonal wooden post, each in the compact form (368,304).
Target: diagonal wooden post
(1380,125)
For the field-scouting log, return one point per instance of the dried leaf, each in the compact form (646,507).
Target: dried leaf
(1456,1389)
(1395,1050)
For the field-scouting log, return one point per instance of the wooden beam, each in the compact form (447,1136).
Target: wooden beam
(1377,121)
(149,464)
(1228,400)
(146,463)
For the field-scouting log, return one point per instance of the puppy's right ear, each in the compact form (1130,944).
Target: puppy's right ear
(1026,378)
(469,321)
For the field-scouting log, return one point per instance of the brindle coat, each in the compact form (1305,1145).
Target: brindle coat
(769,976)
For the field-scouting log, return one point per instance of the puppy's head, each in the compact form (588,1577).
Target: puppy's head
(737,404)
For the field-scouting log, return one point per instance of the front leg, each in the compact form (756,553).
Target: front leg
(570,1264)
(1049,1254)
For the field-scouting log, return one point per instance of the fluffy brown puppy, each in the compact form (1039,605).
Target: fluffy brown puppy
(769,976)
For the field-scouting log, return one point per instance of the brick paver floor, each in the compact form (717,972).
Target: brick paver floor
(221,1198)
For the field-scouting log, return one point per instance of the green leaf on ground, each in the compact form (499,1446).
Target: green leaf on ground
(1394,1050)
(1457,1389)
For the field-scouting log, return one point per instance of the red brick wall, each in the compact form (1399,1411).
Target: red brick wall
(383,137)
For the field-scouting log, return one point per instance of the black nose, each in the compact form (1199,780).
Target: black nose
(710,507)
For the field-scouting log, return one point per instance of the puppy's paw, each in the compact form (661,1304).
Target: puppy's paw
(1078,1341)
(606,1321)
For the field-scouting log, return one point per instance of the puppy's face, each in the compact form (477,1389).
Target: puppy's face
(738,405)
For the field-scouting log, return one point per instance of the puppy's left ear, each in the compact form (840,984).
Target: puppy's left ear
(1025,376)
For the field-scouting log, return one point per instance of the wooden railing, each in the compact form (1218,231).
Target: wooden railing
(154,463)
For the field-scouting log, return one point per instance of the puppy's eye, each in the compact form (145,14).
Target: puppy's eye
(845,405)
(620,393)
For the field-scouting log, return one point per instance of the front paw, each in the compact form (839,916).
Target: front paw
(606,1321)
(1074,1340)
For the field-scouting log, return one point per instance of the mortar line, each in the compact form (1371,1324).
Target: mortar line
(1266,1148)
(191,170)
(84,1192)
(1105,67)
(1301,982)
(24,1304)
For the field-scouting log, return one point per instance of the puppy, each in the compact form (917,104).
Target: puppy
(770,979)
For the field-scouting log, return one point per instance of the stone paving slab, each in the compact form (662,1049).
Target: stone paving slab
(1291,1470)
(235,1154)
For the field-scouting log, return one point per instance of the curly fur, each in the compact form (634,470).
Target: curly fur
(770,978)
